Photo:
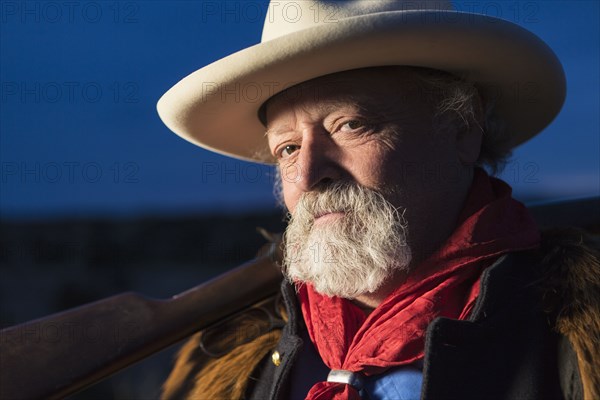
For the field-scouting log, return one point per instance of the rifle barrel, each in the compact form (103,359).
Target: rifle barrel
(58,355)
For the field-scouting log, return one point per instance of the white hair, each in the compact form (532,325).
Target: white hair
(458,105)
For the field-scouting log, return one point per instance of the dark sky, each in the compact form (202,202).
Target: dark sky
(80,80)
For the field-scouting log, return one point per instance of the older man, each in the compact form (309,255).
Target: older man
(411,272)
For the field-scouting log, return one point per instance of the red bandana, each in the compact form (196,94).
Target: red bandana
(445,285)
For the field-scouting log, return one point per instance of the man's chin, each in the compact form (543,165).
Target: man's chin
(328,285)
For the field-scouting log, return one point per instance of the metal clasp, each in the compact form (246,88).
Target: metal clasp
(353,379)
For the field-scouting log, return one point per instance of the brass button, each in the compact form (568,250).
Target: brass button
(276,358)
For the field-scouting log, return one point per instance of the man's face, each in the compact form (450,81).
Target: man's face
(371,129)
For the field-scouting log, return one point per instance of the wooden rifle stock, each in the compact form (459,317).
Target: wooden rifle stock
(61,354)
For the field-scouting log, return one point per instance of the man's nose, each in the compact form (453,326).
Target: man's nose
(318,161)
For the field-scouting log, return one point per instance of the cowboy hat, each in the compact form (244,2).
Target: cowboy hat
(217,106)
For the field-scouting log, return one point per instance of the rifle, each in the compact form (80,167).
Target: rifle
(61,354)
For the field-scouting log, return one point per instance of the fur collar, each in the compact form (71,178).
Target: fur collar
(570,270)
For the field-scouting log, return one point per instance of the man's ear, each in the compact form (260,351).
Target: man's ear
(468,144)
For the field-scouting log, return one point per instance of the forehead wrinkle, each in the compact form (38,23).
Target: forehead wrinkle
(384,103)
(374,109)
(327,106)
(316,109)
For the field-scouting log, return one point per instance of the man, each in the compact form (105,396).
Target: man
(411,272)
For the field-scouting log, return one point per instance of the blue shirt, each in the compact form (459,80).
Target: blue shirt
(402,383)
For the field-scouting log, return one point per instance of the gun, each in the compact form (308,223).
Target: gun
(61,354)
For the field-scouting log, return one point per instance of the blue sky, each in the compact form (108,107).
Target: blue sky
(79,134)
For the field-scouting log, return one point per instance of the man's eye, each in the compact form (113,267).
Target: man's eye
(351,125)
(287,151)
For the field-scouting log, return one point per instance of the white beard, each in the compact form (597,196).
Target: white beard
(348,255)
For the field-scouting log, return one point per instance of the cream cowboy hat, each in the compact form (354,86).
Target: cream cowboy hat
(217,106)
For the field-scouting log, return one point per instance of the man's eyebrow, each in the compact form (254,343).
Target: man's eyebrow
(359,103)
(274,132)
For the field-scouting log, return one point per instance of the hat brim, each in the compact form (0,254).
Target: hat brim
(217,106)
